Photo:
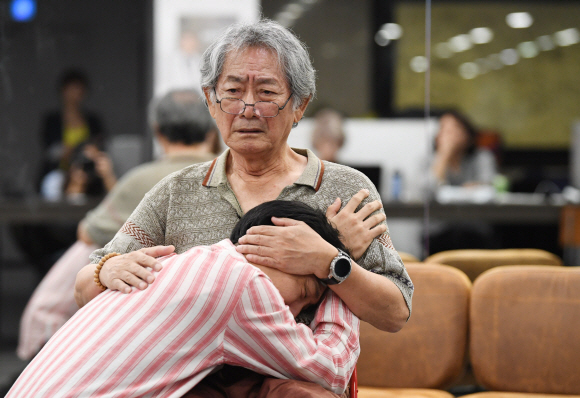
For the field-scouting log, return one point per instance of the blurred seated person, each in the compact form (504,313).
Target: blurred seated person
(71,125)
(209,306)
(186,132)
(90,175)
(328,135)
(458,161)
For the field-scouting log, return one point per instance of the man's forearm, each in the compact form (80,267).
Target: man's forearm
(85,287)
(374,299)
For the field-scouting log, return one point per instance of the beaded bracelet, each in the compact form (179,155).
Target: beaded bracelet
(98,269)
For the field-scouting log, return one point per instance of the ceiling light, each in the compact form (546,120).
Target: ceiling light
(381,38)
(484,65)
(519,20)
(460,43)
(393,31)
(494,61)
(509,56)
(418,64)
(528,49)
(442,50)
(468,70)
(481,35)
(545,43)
(567,37)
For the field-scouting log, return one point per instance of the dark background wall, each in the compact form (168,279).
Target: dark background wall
(106,38)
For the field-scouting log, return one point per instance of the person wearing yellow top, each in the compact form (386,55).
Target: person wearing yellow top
(67,128)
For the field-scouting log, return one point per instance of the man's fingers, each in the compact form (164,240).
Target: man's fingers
(257,240)
(158,251)
(255,250)
(142,273)
(132,280)
(267,230)
(117,284)
(369,209)
(378,230)
(356,200)
(285,222)
(333,209)
(373,221)
(259,260)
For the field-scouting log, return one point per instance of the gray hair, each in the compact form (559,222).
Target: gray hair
(181,116)
(292,55)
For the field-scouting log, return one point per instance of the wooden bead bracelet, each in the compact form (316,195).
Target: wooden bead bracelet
(98,269)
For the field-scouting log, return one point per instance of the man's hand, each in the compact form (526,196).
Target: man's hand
(290,246)
(358,229)
(122,272)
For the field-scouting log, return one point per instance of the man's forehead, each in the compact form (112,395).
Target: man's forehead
(264,58)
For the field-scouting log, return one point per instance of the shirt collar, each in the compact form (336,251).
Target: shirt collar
(312,175)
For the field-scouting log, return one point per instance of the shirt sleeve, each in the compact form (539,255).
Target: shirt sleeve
(145,227)
(381,256)
(264,336)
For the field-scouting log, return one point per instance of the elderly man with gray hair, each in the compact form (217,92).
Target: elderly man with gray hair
(258,80)
(185,132)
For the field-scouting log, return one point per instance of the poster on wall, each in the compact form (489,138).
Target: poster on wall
(183,29)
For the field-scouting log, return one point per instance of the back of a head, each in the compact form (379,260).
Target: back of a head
(182,117)
(263,213)
(328,126)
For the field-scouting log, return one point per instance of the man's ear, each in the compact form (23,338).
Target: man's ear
(299,113)
(211,105)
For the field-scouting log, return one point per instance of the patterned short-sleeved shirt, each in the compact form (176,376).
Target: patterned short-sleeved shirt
(196,206)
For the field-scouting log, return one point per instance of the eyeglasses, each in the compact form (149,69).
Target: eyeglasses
(235,106)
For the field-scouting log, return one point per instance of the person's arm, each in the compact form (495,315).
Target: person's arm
(379,289)
(145,228)
(263,336)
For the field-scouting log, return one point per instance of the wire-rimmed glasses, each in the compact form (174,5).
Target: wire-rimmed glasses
(235,106)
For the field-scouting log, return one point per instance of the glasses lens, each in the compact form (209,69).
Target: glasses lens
(266,109)
(232,105)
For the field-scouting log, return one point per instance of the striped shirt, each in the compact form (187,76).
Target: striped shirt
(207,307)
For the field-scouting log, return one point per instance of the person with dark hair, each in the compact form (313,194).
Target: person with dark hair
(209,307)
(458,161)
(65,129)
(258,79)
(185,131)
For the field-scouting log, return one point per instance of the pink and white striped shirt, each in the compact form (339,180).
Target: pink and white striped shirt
(207,307)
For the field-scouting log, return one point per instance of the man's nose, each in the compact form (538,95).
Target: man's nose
(249,100)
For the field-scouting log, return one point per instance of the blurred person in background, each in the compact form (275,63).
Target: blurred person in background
(258,81)
(186,132)
(328,134)
(65,129)
(459,162)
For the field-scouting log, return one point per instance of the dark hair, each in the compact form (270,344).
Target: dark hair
(315,219)
(470,129)
(182,117)
(73,76)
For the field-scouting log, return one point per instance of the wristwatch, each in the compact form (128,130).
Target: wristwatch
(340,268)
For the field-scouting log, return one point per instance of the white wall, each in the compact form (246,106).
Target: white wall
(393,144)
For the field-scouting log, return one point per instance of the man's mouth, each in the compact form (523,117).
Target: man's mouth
(249,131)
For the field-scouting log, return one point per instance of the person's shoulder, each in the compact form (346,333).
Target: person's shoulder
(192,175)
(335,173)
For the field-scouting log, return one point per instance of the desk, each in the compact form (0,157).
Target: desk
(492,213)
(36,211)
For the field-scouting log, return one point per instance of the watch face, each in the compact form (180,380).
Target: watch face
(342,267)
